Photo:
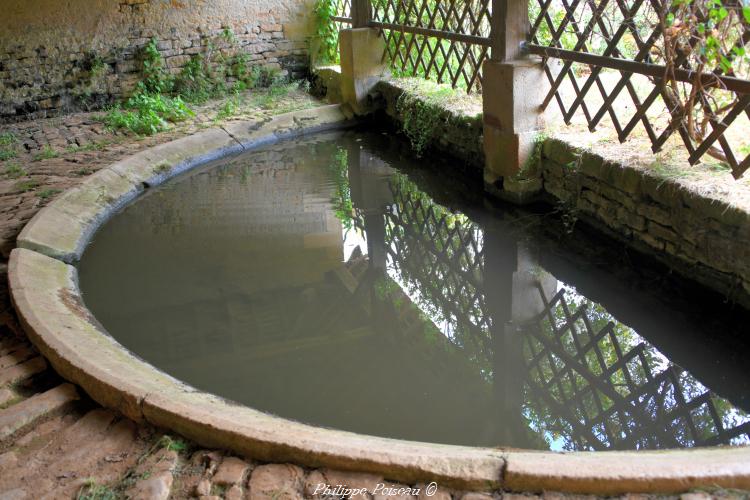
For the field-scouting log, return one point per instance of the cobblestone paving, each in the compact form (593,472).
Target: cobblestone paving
(57,443)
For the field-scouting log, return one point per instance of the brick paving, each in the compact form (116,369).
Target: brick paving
(57,443)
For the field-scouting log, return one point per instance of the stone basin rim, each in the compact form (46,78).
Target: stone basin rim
(45,293)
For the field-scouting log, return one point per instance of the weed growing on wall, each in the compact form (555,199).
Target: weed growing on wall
(161,98)
(422,117)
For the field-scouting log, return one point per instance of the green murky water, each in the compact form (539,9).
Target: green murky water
(333,281)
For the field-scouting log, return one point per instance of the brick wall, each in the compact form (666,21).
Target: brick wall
(80,54)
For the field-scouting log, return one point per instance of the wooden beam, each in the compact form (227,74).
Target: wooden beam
(447,35)
(654,70)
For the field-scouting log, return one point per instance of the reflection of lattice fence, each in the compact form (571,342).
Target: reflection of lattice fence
(443,41)
(440,259)
(589,378)
(603,392)
(628,36)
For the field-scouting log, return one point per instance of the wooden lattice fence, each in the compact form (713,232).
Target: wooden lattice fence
(614,60)
(617,60)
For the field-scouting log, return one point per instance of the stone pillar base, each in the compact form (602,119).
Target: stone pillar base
(362,66)
(512,94)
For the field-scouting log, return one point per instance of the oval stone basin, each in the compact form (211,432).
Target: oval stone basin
(335,280)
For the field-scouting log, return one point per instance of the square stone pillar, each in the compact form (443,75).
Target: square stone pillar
(362,65)
(512,94)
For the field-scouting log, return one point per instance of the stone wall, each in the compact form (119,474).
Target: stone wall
(701,236)
(79,54)
(459,135)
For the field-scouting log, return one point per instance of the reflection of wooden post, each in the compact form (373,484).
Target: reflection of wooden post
(500,264)
(512,297)
(370,191)
(376,249)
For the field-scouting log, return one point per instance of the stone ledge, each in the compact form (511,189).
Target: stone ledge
(618,473)
(704,237)
(45,294)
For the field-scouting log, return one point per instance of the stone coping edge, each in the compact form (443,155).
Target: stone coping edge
(45,293)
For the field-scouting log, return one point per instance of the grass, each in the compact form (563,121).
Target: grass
(172,444)
(162,168)
(93,491)
(26,186)
(46,153)
(47,193)
(8,146)
(14,171)
(91,146)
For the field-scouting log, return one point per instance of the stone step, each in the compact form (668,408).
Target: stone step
(97,447)
(231,471)
(16,357)
(10,345)
(30,410)
(154,476)
(23,371)
(6,396)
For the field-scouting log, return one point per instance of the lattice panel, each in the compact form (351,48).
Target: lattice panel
(454,61)
(607,389)
(632,30)
(343,10)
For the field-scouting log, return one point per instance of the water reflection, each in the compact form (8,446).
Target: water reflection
(316,281)
(590,382)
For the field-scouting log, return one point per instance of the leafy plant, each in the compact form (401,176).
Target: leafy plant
(7,154)
(14,171)
(147,114)
(703,35)
(8,146)
(26,186)
(156,79)
(93,491)
(325,32)
(46,153)
(172,444)
(194,83)
(47,193)
(7,139)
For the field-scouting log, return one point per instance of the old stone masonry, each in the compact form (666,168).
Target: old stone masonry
(83,54)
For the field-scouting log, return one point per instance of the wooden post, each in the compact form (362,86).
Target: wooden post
(512,91)
(509,27)
(361,10)
(362,64)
